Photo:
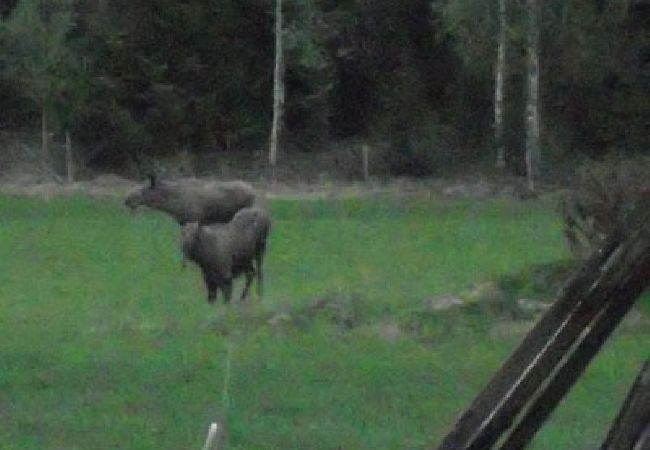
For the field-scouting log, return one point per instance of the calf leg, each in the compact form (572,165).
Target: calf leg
(212,291)
(227,290)
(211,285)
(259,259)
(250,272)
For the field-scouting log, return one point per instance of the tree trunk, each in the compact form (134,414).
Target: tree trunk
(278,91)
(533,155)
(500,72)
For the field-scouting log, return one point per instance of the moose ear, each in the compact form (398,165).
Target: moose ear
(152,180)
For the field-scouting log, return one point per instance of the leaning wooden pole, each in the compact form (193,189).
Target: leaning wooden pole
(505,380)
(632,426)
(621,286)
(558,348)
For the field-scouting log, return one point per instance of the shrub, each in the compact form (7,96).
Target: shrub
(607,197)
(424,151)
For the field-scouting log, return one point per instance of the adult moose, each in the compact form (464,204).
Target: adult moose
(193,202)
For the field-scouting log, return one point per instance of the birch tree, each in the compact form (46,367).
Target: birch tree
(533,152)
(278,91)
(473,24)
(499,86)
(35,35)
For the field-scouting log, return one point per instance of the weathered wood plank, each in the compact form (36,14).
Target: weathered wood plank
(609,280)
(623,282)
(634,418)
(485,404)
(595,299)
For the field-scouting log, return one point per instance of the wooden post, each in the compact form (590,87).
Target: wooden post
(212,437)
(559,347)
(632,426)
(365,150)
(569,373)
(510,373)
(644,442)
(69,162)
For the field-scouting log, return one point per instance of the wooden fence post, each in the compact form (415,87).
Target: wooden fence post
(211,439)
(69,162)
(365,154)
(535,342)
(631,429)
(558,348)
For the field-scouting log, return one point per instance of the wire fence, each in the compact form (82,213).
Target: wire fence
(24,153)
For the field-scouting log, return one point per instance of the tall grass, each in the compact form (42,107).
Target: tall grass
(105,343)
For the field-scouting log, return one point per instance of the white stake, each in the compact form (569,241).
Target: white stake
(212,435)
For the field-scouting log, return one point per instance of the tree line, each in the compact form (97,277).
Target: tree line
(520,84)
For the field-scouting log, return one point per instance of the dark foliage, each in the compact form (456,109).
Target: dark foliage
(609,197)
(146,79)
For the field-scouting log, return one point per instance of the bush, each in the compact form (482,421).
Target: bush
(608,197)
(424,151)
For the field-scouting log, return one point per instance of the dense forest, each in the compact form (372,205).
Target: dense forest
(523,84)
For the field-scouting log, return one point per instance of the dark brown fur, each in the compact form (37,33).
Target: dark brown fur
(190,202)
(226,251)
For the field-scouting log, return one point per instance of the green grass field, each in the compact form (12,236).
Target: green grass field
(106,344)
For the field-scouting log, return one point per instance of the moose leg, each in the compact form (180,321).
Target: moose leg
(227,290)
(212,291)
(250,273)
(211,285)
(259,259)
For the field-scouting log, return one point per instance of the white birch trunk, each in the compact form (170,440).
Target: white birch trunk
(500,72)
(278,91)
(533,155)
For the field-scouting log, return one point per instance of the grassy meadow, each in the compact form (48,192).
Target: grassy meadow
(106,344)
